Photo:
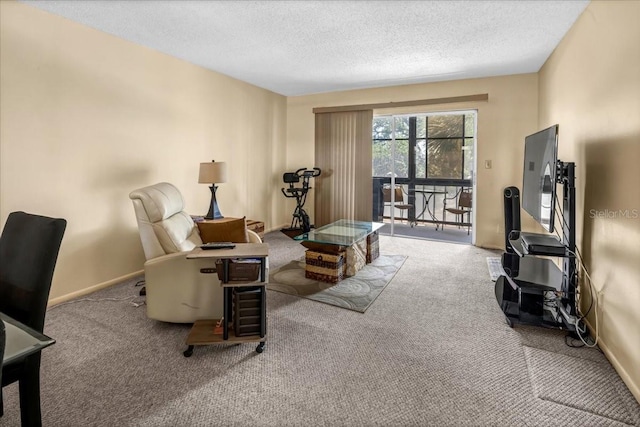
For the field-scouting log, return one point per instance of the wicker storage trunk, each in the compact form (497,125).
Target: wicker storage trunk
(373,247)
(325,267)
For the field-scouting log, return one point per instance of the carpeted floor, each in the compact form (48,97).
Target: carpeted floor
(433,350)
(356,293)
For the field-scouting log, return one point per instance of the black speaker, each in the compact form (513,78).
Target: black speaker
(511,214)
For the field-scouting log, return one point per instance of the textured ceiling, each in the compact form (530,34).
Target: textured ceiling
(304,47)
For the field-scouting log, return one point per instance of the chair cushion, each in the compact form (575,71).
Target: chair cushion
(232,230)
(160,201)
(164,227)
(176,233)
(458,211)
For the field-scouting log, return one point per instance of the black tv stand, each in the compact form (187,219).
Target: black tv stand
(535,291)
(528,294)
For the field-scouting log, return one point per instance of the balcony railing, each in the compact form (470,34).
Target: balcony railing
(429,201)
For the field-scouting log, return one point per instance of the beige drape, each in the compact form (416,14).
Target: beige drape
(343,152)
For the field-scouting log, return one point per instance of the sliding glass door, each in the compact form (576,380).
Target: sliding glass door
(421,165)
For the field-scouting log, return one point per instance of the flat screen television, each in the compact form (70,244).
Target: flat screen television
(539,177)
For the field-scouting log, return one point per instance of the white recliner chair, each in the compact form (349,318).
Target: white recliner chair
(176,289)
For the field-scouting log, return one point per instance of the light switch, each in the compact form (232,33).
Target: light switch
(487,164)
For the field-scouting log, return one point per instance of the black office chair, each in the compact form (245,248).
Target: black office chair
(29,247)
(2,343)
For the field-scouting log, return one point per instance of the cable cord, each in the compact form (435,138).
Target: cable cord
(578,256)
(594,298)
(592,293)
(129,298)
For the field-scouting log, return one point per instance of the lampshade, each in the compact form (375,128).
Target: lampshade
(212,172)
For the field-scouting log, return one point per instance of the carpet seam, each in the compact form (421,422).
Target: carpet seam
(536,393)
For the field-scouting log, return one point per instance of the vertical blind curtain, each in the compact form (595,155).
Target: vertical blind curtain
(343,152)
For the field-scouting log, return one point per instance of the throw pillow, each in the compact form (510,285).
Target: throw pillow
(233,230)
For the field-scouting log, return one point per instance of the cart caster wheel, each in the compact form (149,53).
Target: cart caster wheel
(260,348)
(188,352)
(509,322)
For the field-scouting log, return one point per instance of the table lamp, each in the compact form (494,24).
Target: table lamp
(211,173)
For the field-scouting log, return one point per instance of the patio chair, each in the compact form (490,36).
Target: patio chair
(463,208)
(398,202)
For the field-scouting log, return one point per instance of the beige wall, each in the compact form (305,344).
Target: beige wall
(86,117)
(510,114)
(590,86)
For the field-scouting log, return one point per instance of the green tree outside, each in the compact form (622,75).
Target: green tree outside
(439,139)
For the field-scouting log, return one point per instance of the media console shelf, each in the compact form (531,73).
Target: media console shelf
(533,271)
(537,244)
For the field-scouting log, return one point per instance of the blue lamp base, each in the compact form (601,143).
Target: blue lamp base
(214,211)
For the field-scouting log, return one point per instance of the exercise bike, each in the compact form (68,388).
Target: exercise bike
(300,219)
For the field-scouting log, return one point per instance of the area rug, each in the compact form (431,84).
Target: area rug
(354,293)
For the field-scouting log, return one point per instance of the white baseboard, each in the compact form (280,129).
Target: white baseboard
(92,289)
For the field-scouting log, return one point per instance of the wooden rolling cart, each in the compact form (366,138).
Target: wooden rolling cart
(250,318)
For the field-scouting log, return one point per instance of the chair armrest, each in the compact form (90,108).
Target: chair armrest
(253,237)
(181,290)
(176,265)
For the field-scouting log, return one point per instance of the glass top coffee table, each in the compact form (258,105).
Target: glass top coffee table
(343,232)
(339,249)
